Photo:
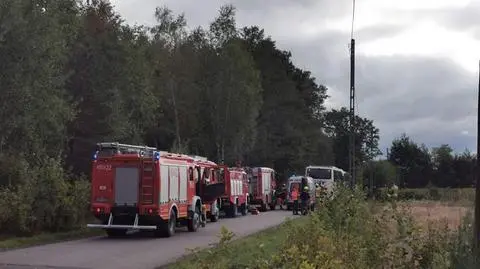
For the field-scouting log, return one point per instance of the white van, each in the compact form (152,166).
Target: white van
(299,182)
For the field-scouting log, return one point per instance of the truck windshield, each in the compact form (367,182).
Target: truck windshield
(319,173)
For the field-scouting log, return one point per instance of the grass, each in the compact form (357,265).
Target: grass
(46,238)
(241,252)
(425,212)
(456,196)
(349,232)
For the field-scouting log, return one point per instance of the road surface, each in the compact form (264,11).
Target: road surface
(133,251)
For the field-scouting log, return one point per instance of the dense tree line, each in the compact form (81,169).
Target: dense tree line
(74,74)
(410,165)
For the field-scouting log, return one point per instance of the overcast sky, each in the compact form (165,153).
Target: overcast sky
(417,60)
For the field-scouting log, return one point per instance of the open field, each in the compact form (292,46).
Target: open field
(425,212)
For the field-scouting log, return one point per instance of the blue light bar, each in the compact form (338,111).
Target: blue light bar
(95,155)
(156,156)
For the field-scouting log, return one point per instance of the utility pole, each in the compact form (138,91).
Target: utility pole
(352,164)
(476,237)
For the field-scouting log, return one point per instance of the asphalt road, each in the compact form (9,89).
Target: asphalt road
(136,251)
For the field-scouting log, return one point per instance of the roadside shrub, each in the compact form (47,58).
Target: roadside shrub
(350,232)
(46,199)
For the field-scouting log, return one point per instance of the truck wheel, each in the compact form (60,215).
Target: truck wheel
(167,229)
(116,232)
(272,206)
(214,217)
(243,209)
(263,207)
(194,223)
(233,211)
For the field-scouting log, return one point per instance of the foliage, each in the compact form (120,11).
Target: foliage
(419,167)
(74,73)
(337,126)
(349,232)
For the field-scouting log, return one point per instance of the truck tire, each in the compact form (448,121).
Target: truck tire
(244,209)
(263,207)
(194,223)
(167,228)
(272,206)
(116,232)
(233,211)
(214,217)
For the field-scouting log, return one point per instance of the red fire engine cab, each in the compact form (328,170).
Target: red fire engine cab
(235,196)
(208,172)
(261,187)
(142,188)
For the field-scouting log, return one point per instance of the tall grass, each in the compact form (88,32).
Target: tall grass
(350,232)
(464,196)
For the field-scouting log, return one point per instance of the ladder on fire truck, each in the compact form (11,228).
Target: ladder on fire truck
(147,171)
(126,148)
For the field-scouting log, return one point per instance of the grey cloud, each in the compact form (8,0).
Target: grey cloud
(432,100)
(464,19)
(279,16)
(371,33)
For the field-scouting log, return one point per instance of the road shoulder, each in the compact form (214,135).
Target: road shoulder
(12,243)
(239,253)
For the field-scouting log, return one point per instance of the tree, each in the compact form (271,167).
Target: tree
(384,173)
(98,66)
(337,127)
(464,166)
(413,162)
(33,48)
(288,126)
(234,93)
(442,161)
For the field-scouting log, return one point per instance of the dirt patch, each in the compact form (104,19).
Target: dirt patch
(425,212)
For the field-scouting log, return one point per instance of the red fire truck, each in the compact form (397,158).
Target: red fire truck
(208,172)
(236,191)
(141,188)
(261,187)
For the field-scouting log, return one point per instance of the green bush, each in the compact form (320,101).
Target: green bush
(350,232)
(46,199)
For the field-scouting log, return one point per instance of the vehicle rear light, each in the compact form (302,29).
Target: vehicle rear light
(150,211)
(99,210)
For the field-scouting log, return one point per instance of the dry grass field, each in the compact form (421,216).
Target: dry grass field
(425,212)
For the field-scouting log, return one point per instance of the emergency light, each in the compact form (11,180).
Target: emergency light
(95,155)
(156,156)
